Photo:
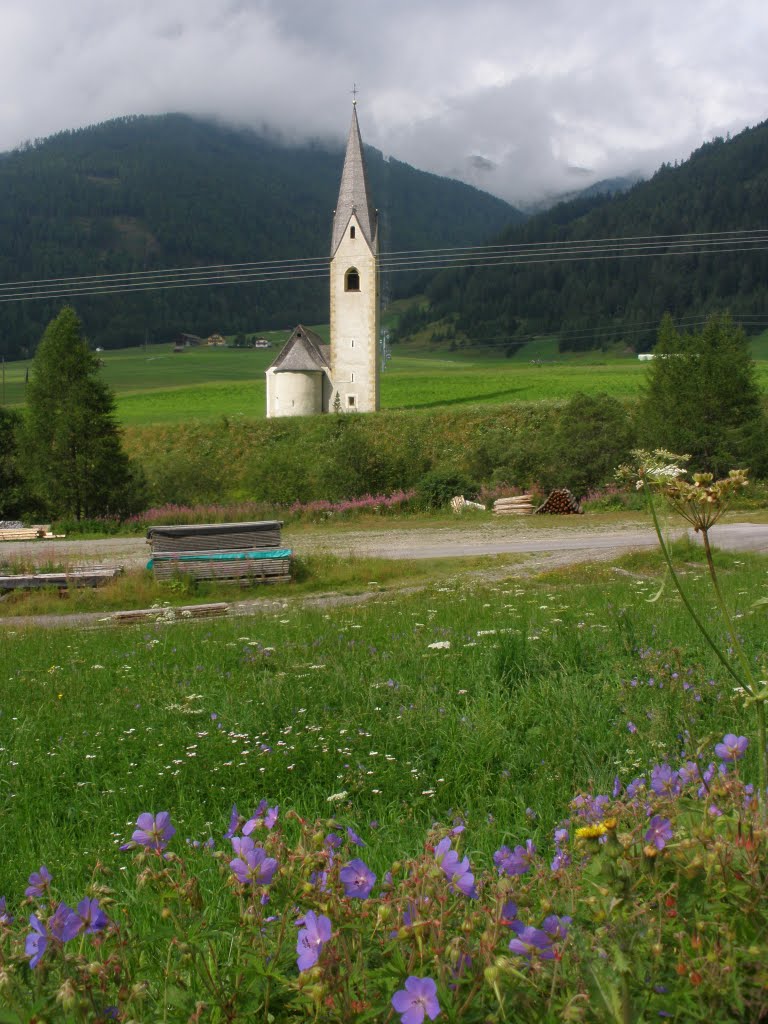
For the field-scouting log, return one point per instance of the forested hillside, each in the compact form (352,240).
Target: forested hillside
(722,187)
(173,191)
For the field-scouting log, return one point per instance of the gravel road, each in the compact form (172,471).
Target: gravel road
(550,547)
(408,543)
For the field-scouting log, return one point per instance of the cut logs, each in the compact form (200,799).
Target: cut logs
(518,505)
(560,503)
(459,503)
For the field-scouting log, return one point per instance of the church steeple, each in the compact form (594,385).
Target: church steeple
(353,192)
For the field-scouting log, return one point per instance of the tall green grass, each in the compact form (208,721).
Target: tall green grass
(526,699)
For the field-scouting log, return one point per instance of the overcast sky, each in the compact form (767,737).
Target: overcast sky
(521,97)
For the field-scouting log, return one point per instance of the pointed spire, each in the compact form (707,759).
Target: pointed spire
(353,191)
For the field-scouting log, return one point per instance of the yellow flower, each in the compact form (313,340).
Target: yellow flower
(592,831)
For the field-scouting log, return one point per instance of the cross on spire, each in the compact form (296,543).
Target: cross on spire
(354,94)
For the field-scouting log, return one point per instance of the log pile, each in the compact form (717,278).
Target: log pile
(519,505)
(560,503)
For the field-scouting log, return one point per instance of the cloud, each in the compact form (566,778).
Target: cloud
(506,94)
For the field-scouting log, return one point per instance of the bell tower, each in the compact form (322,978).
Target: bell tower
(354,286)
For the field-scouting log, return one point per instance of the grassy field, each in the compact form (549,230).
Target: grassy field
(494,703)
(160,386)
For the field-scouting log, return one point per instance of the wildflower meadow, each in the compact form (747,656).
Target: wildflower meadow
(528,801)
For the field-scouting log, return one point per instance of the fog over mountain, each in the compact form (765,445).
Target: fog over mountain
(520,99)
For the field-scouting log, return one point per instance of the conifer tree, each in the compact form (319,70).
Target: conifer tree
(72,454)
(702,398)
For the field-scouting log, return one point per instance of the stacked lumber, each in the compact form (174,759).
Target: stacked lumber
(519,505)
(26,533)
(86,577)
(559,503)
(188,611)
(246,552)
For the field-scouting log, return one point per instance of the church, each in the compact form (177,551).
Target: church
(308,376)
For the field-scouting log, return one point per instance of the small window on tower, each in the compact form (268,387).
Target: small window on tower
(351,401)
(351,280)
(352,343)
(352,377)
(352,231)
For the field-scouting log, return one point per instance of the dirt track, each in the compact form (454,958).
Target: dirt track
(492,538)
(550,548)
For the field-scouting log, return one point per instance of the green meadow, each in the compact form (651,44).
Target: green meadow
(157,385)
(495,703)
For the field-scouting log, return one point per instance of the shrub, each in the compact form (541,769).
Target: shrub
(437,487)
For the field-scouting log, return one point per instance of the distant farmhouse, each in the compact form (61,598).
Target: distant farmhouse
(186,341)
(308,376)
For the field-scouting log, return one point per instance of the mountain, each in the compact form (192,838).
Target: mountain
(604,187)
(723,186)
(144,193)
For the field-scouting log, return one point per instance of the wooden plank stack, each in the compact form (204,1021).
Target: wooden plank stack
(27,533)
(242,552)
(518,505)
(560,503)
(85,577)
(188,611)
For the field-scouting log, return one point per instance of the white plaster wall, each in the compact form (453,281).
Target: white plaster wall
(298,393)
(355,325)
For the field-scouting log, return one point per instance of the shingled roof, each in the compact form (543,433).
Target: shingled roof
(304,350)
(353,191)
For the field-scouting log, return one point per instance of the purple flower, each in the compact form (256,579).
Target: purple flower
(529,940)
(39,882)
(332,841)
(733,748)
(665,781)
(631,727)
(509,913)
(659,832)
(354,837)
(562,859)
(591,808)
(515,862)
(556,927)
(357,879)
(153,832)
(253,867)
(635,786)
(311,939)
(92,916)
(689,772)
(36,942)
(234,822)
(5,917)
(416,1001)
(263,815)
(65,924)
(458,871)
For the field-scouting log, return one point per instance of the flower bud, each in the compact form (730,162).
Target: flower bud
(67,995)
(491,975)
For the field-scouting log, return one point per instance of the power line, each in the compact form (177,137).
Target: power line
(268,271)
